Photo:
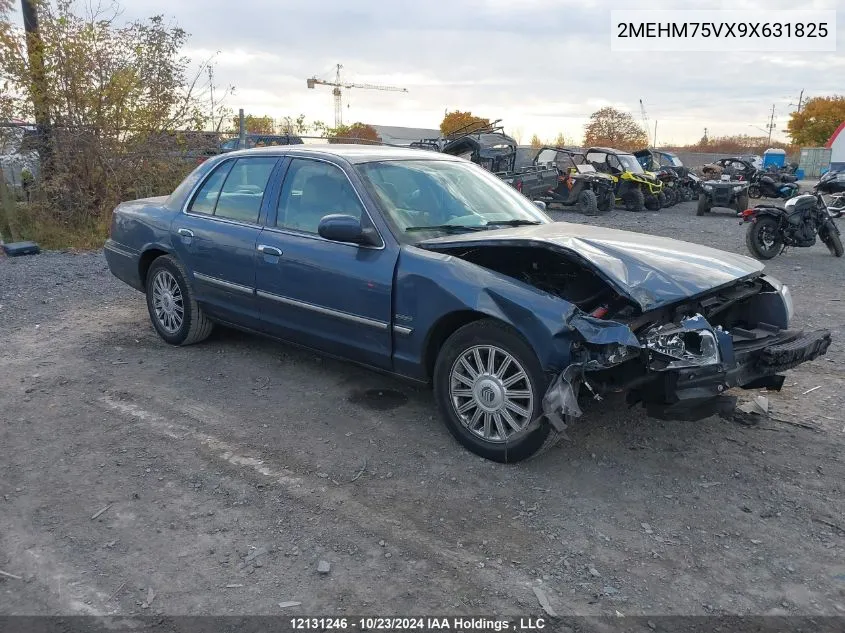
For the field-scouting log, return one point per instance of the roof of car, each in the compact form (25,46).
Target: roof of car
(350,152)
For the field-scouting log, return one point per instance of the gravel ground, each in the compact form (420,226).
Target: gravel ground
(141,478)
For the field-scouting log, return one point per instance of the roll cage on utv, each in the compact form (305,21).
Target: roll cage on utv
(579,184)
(495,151)
(634,188)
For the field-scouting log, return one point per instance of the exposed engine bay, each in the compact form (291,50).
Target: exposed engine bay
(688,353)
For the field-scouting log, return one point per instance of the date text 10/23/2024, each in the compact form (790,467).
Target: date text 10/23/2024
(421,623)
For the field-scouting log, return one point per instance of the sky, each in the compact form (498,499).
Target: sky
(541,66)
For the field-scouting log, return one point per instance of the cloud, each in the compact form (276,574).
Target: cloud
(540,65)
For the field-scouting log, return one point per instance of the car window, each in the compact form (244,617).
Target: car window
(242,192)
(313,189)
(206,198)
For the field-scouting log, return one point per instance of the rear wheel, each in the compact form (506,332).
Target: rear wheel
(634,200)
(587,203)
(754,191)
(489,387)
(762,238)
(174,312)
(704,205)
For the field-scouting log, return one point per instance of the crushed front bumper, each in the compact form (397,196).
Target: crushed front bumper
(697,392)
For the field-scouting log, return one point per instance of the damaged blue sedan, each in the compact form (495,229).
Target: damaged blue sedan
(427,266)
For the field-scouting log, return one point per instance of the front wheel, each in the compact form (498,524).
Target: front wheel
(607,201)
(634,200)
(489,387)
(174,312)
(655,202)
(587,203)
(742,202)
(754,191)
(833,243)
(762,238)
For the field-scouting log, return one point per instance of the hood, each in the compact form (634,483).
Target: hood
(651,271)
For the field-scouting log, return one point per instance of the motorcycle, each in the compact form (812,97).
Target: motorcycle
(689,186)
(772,185)
(771,229)
(833,184)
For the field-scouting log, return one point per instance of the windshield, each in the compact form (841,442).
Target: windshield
(673,160)
(427,198)
(630,163)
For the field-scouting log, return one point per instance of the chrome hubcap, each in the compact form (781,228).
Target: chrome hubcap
(167,302)
(491,393)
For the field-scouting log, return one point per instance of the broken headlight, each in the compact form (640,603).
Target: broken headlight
(680,347)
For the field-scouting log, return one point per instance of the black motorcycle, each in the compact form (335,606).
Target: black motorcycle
(773,228)
(772,185)
(832,184)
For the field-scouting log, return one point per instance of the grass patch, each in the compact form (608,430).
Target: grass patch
(20,221)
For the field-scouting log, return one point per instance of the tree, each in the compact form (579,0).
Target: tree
(560,140)
(255,124)
(816,121)
(116,95)
(356,132)
(536,142)
(289,125)
(609,127)
(465,121)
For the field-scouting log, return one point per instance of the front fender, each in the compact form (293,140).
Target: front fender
(429,287)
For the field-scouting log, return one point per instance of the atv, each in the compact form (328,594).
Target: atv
(579,184)
(723,193)
(633,186)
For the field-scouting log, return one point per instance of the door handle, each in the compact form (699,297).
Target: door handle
(185,232)
(269,250)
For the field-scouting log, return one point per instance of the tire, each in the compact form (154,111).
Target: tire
(634,201)
(654,203)
(671,197)
(742,202)
(588,203)
(754,238)
(833,243)
(754,191)
(607,202)
(482,336)
(171,277)
(703,206)
(686,194)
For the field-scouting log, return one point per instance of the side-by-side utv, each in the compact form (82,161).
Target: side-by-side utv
(579,184)
(634,188)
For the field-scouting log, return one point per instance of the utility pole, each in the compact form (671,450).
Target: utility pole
(771,125)
(38,87)
(800,99)
(241,129)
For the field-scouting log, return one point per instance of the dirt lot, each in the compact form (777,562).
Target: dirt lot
(223,473)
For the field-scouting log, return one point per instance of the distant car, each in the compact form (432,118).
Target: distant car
(428,266)
(736,168)
(262,140)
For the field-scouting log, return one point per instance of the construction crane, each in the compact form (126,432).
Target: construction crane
(645,120)
(337,84)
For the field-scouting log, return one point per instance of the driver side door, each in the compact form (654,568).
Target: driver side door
(328,295)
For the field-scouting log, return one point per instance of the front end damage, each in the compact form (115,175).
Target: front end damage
(682,365)
(672,324)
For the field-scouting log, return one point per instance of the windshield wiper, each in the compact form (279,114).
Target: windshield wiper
(512,223)
(452,228)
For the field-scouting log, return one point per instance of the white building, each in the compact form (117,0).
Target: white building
(836,145)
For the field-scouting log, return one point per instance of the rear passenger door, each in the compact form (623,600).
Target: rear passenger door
(215,237)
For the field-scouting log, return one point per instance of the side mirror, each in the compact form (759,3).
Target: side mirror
(344,228)
(540,205)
